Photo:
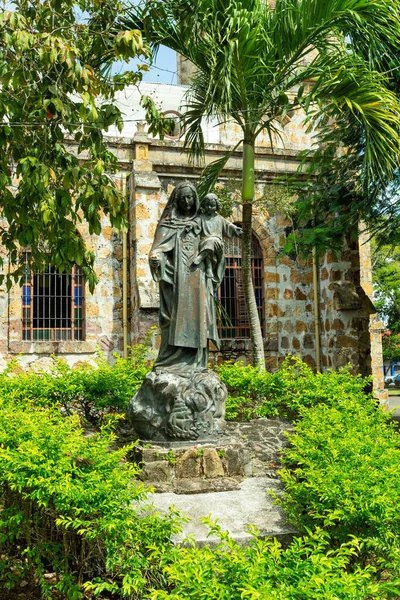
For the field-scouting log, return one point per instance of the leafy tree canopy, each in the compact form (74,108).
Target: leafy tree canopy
(340,193)
(391,346)
(52,93)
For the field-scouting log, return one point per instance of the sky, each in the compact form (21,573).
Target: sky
(163,69)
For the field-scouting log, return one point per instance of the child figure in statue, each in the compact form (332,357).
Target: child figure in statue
(214,229)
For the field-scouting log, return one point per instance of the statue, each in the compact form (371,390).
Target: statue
(186,309)
(180,398)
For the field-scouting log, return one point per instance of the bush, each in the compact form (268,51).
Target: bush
(73,509)
(92,391)
(342,474)
(308,569)
(253,393)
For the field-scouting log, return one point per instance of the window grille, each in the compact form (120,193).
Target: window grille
(233,320)
(52,304)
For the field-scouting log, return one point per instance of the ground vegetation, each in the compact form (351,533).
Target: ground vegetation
(69,528)
(75,520)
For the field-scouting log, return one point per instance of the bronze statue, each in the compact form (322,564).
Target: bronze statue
(181,399)
(214,229)
(185,306)
(188,262)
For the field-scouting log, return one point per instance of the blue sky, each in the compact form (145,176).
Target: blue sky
(162,71)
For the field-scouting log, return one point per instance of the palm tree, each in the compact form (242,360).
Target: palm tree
(255,64)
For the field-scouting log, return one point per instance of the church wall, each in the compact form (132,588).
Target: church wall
(102,309)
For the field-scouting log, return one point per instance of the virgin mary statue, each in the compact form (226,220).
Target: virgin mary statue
(187,309)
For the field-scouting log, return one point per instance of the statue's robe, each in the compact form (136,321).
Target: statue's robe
(187,307)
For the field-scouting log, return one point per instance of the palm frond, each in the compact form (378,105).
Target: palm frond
(250,58)
(212,172)
(357,94)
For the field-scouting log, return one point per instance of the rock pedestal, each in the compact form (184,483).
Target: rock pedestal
(187,469)
(228,480)
(170,407)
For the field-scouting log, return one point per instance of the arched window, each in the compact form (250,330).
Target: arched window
(233,321)
(52,304)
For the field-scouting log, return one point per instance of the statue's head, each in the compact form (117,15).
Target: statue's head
(210,204)
(184,200)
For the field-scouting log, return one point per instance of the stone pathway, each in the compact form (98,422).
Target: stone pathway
(264,438)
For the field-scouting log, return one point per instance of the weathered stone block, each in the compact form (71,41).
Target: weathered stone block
(308,341)
(288,294)
(300,326)
(284,343)
(235,460)
(160,470)
(338,324)
(197,486)
(300,295)
(188,464)
(346,341)
(346,296)
(212,465)
(271,277)
(324,274)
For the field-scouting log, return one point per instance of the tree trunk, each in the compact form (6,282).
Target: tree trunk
(257,342)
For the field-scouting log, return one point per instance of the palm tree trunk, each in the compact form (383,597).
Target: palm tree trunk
(257,343)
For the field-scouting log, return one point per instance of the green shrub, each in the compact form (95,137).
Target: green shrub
(73,508)
(92,391)
(342,474)
(253,393)
(308,569)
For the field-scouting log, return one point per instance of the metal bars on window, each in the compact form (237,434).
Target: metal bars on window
(233,321)
(52,304)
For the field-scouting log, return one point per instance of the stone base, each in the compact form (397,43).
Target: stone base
(194,469)
(172,407)
(240,469)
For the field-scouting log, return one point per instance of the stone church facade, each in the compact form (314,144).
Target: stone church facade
(323,313)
